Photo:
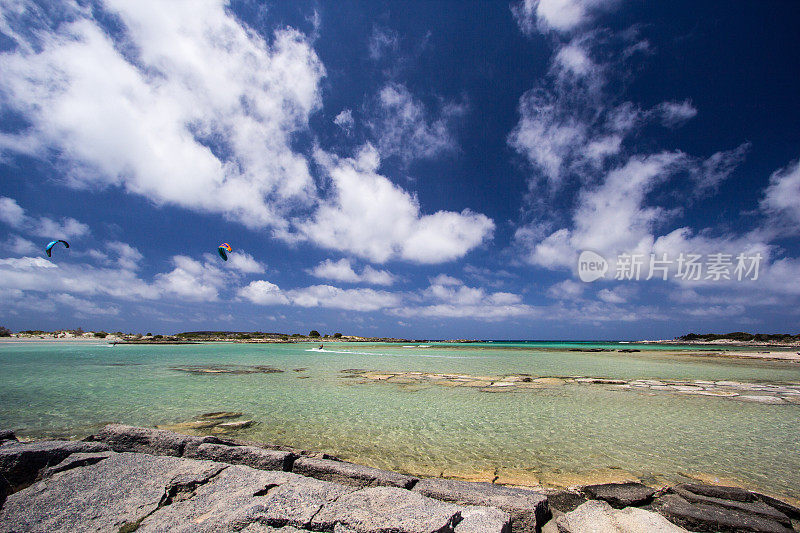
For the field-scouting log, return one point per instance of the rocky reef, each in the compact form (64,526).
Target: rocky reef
(765,393)
(128,479)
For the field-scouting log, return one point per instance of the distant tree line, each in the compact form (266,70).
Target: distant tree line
(741,336)
(5,332)
(250,335)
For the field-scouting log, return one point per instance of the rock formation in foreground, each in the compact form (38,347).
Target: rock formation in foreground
(135,479)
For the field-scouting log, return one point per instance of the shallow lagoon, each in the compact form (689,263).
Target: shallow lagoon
(558,436)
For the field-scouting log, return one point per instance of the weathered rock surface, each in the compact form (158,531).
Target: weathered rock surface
(241,455)
(751,507)
(21,462)
(737,494)
(350,473)
(238,424)
(597,516)
(477,519)
(220,415)
(528,509)
(123,438)
(75,460)
(387,509)
(111,491)
(707,516)
(239,496)
(119,490)
(765,393)
(7,435)
(183,483)
(620,495)
(789,510)
(564,500)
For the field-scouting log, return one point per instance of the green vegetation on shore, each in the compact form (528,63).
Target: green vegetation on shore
(741,336)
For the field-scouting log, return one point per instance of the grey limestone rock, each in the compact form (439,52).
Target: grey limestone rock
(528,509)
(620,495)
(597,516)
(350,474)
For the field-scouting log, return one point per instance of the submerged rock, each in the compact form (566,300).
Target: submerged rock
(227,369)
(239,424)
(602,381)
(220,415)
(760,399)
(191,425)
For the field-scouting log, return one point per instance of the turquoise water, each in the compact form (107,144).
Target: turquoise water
(70,390)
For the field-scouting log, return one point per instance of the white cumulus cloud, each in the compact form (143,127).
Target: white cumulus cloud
(558,15)
(191,279)
(244,263)
(192,109)
(403,127)
(350,299)
(12,214)
(782,196)
(373,218)
(345,120)
(342,270)
(263,292)
(674,114)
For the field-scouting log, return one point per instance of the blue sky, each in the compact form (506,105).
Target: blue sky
(423,170)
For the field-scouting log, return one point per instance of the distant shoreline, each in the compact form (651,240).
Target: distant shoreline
(785,351)
(724,342)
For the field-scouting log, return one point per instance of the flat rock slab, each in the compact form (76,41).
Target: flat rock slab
(75,460)
(709,517)
(750,507)
(387,510)
(737,494)
(789,510)
(564,500)
(350,473)
(21,462)
(760,399)
(104,496)
(123,438)
(597,516)
(526,507)
(239,496)
(476,519)
(111,491)
(241,455)
(620,495)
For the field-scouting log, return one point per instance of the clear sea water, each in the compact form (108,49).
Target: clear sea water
(568,432)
